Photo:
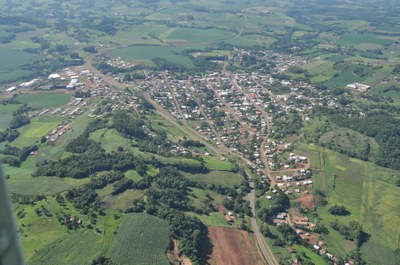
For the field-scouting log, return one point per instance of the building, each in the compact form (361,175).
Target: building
(11,89)
(72,84)
(357,87)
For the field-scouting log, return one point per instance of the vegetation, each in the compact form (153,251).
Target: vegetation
(141,239)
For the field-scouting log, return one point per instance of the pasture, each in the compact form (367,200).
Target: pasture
(199,35)
(352,40)
(214,163)
(44,100)
(141,239)
(6,114)
(147,53)
(11,61)
(224,178)
(349,74)
(39,185)
(39,126)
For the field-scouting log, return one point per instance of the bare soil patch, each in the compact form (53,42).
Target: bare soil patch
(232,247)
(307,201)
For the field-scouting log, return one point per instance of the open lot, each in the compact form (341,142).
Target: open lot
(233,247)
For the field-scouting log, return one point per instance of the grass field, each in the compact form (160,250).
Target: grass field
(141,239)
(110,139)
(78,247)
(11,60)
(6,114)
(147,53)
(39,126)
(121,201)
(199,35)
(214,163)
(217,178)
(356,39)
(44,100)
(348,75)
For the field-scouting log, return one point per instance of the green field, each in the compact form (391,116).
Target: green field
(39,126)
(368,192)
(40,185)
(6,114)
(217,178)
(141,239)
(199,35)
(356,39)
(11,61)
(110,140)
(214,163)
(147,53)
(78,247)
(45,100)
(348,75)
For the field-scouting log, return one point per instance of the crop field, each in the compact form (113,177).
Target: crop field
(367,191)
(75,248)
(225,178)
(11,60)
(147,53)
(40,185)
(44,100)
(141,239)
(356,39)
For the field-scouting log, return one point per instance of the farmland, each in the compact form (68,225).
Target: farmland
(79,247)
(369,194)
(141,239)
(11,61)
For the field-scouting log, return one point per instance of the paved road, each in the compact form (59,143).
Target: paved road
(264,248)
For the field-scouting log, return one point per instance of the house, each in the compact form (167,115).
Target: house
(316,247)
(229,219)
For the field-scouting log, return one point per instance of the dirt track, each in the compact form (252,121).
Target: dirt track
(232,247)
